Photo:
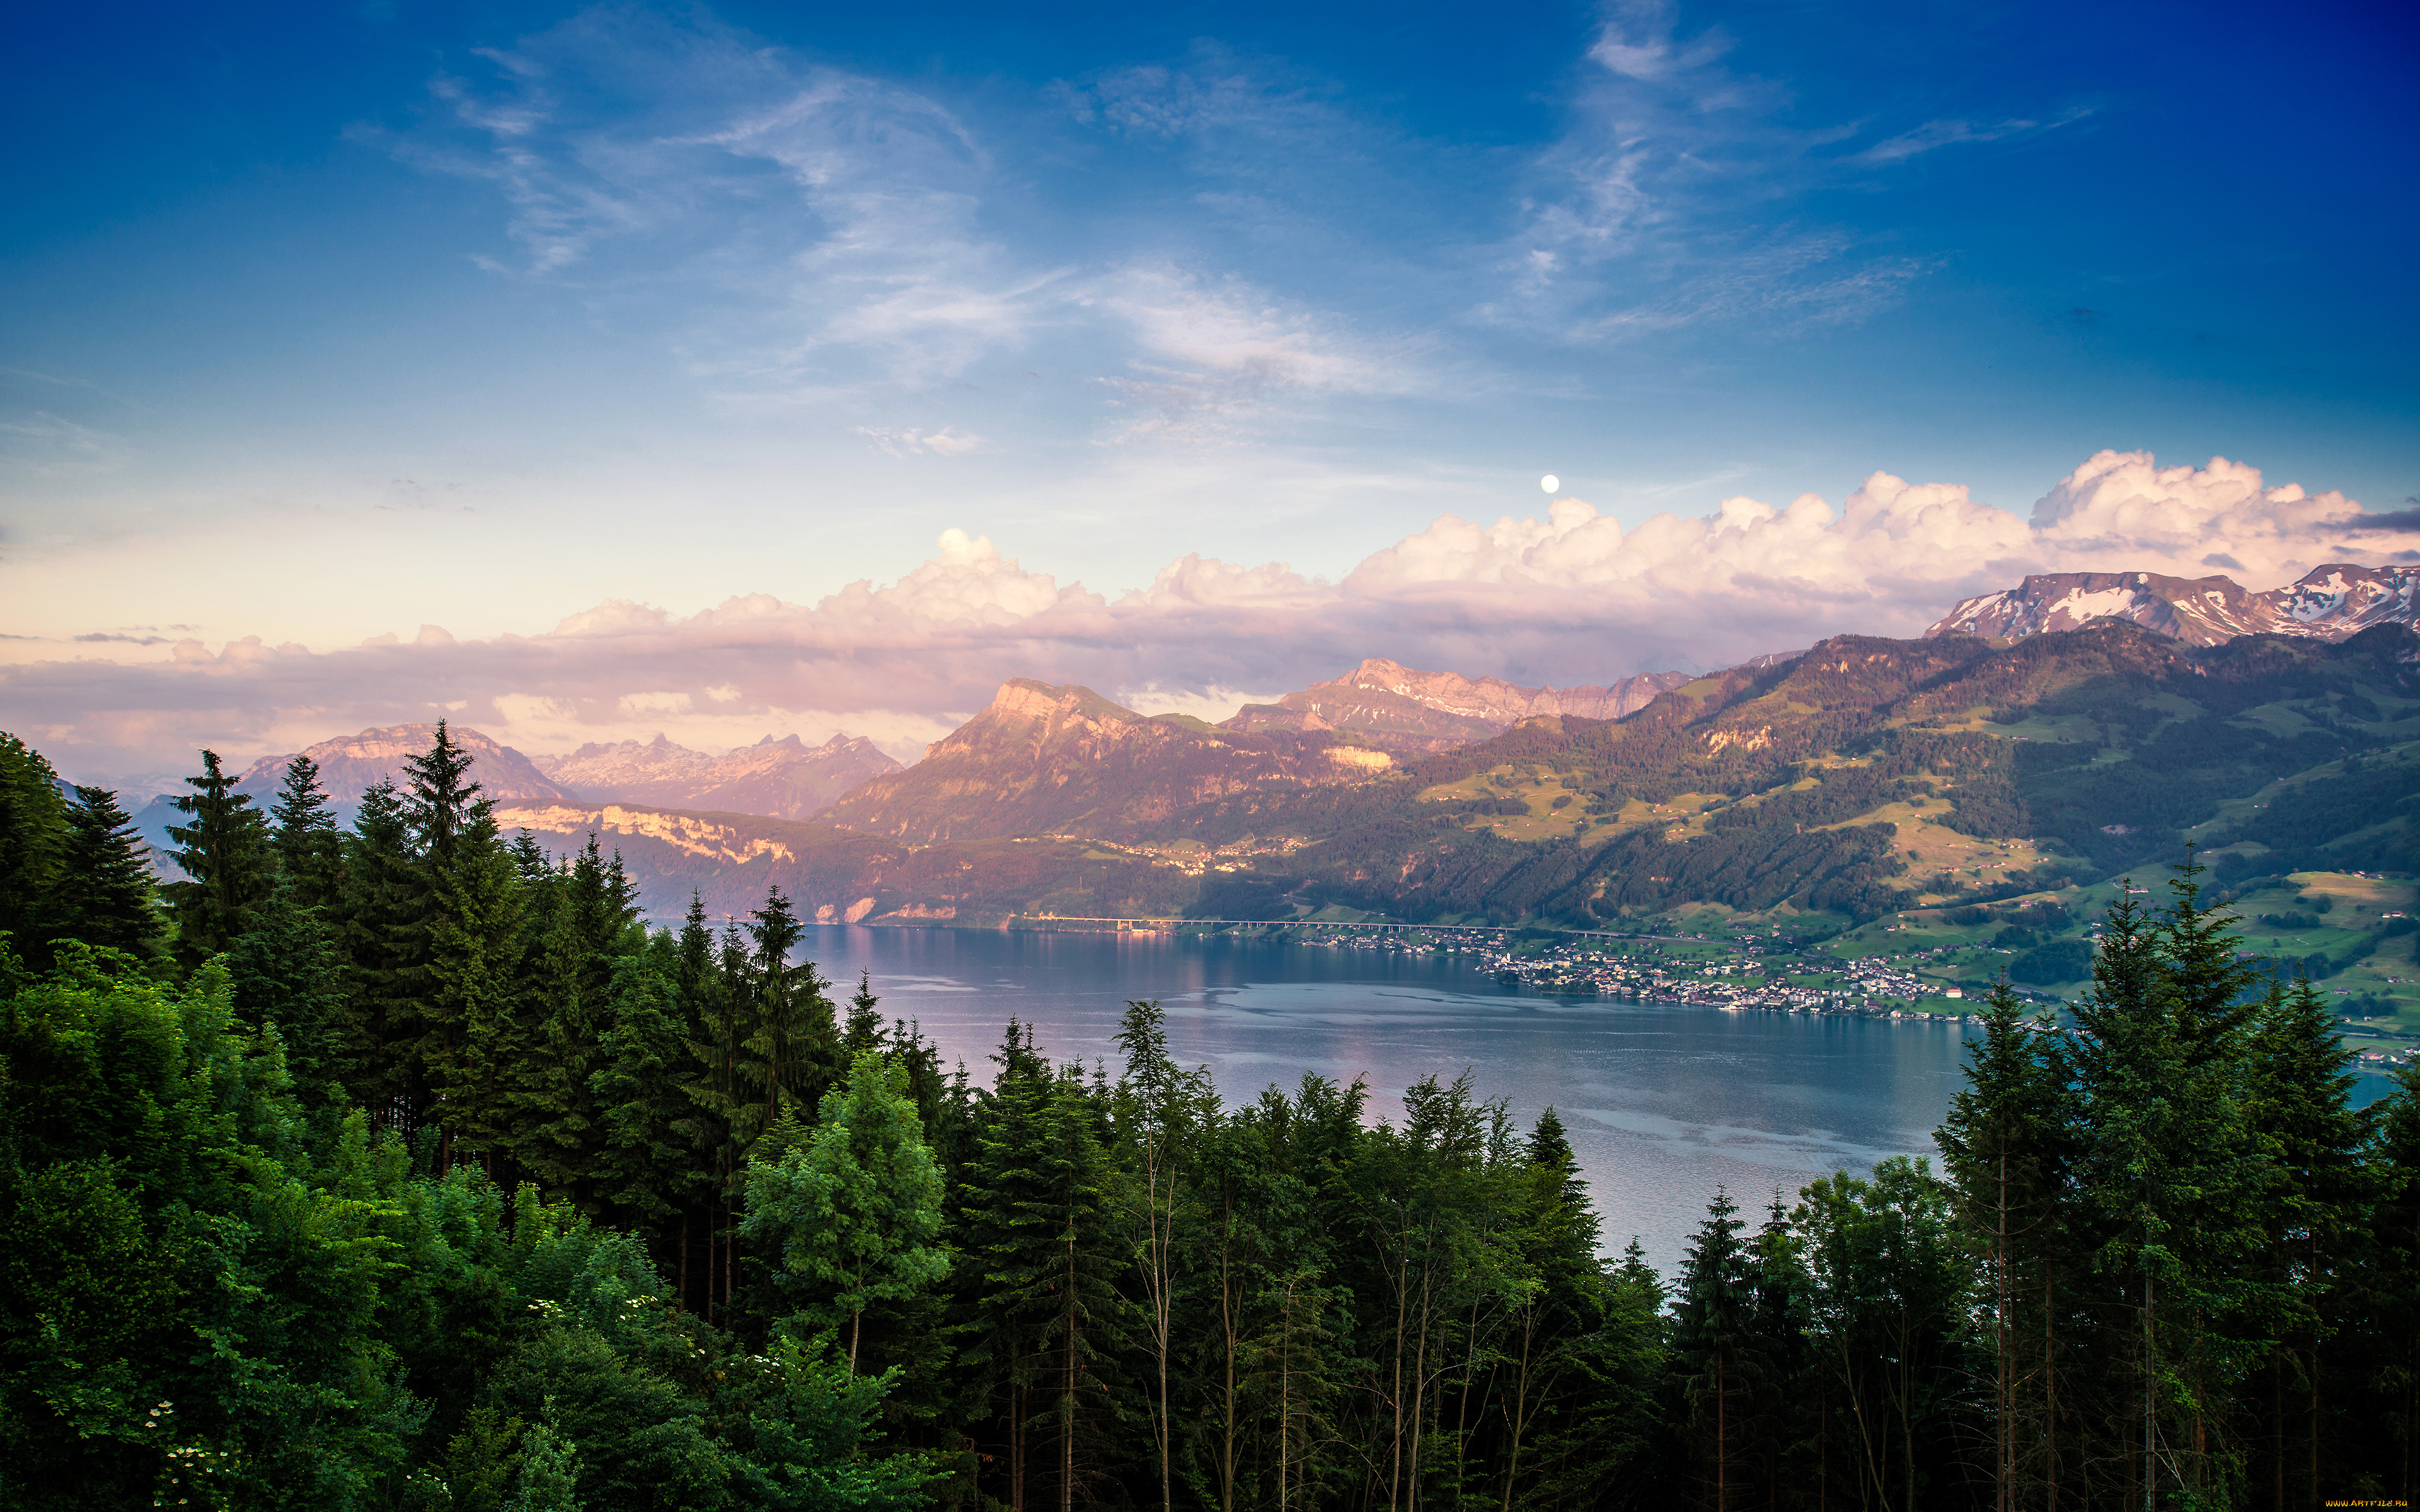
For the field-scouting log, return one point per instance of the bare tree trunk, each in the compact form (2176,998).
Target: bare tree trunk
(2148,1395)
(1285,1394)
(1395,1446)
(1518,1414)
(2050,1388)
(1226,1338)
(1067,1392)
(1016,1440)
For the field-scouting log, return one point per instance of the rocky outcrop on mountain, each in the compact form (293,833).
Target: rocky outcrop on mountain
(1065,761)
(2330,602)
(351,765)
(1394,706)
(786,778)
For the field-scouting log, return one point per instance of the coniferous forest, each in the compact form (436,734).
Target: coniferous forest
(401,1165)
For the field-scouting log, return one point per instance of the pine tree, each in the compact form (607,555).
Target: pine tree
(105,892)
(33,835)
(476,1038)
(223,850)
(2174,1174)
(304,835)
(287,971)
(795,1047)
(1005,1219)
(2006,1150)
(2389,1299)
(645,1169)
(864,1028)
(1040,1235)
(2301,1106)
(1064,1285)
(385,943)
(440,803)
(1294,1375)
(1159,1110)
(728,1119)
(1553,1387)
(1710,1343)
(1776,1334)
(558,1132)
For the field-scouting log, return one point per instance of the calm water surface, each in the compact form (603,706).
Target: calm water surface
(1663,1102)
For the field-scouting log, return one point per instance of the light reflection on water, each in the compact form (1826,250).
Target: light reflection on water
(1663,1102)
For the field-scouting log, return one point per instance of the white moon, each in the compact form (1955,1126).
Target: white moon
(1550,483)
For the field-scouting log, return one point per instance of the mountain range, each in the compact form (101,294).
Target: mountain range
(1042,759)
(1862,776)
(351,765)
(1393,706)
(786,778)
(2074,725)
(2330,602)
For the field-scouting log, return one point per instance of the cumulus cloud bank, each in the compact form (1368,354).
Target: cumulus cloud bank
(1573,597)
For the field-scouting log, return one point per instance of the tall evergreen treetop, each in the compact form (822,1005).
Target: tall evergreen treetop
(303,832)
(33,835)
(222,849)
(439,802)
(106,893)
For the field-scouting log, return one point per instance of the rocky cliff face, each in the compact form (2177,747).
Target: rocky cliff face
(351,765)
(1065,761)
(2330,602)
(1395,706)
(786,778)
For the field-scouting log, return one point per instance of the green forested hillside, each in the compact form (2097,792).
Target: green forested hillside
(1842,783)
(404,1167)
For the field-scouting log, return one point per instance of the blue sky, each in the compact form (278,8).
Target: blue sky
(330,323)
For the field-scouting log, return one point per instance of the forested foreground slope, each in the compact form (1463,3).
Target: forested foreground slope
(405,1167)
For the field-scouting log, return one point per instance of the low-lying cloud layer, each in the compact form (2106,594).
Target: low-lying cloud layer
(1572,598)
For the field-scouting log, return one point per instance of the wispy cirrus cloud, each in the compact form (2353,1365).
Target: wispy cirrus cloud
(850,229)
(1665,204)
(1932,135)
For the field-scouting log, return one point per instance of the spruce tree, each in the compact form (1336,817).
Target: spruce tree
(1064,1285)
(476,1038)
(1005,1219)
(796,1047)
(558,1131)
(385,942)
(728,1119)
(2005,1143)
(644,1170)
(2389,1300)
(33,837)
(439,802)
(288,972)
(863,1031)
(1709,1346)
(223,850)
(2175,1174)
(304,835)
(1159,1109)
(2313,1213)
(1561,1399)
(105,892)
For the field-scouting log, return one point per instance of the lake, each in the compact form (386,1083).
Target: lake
(1663,1102)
